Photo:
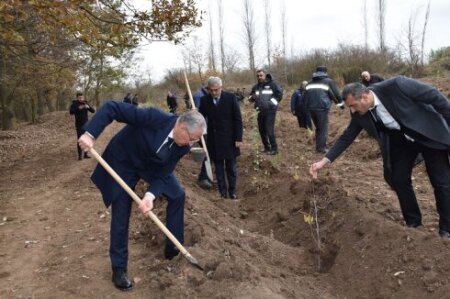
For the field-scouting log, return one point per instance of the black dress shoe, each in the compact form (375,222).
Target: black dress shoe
(169,255)
(444,234)
(414,224)
(205,184)
(120,279)
(233,196)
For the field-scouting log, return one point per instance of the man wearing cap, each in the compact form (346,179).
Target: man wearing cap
(319,93)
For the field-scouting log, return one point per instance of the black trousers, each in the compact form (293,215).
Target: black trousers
(228,166)
(320,120)
(80,131)
(403,155)
(303,117)
(120,222)
(266,127)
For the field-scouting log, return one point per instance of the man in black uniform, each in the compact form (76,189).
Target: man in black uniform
(266,95)
(80,109)
(319,94)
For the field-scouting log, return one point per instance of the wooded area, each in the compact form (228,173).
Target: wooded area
(49,50)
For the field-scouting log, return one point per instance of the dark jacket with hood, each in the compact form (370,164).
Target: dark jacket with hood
(320,92)
(266,95)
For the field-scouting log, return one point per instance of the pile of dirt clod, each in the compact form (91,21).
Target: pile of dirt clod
(341,236)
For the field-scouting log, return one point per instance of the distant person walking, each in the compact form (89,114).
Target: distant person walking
(172,102)
(79,108)
(266,94)
(298,107)
(319,94)
(367,79)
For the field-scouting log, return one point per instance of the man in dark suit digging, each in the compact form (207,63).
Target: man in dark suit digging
(148,148)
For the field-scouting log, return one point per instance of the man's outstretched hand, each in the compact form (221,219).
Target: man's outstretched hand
(314,169)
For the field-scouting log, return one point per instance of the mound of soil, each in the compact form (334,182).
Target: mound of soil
(341,236)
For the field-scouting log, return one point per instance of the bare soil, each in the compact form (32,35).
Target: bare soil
(54,228)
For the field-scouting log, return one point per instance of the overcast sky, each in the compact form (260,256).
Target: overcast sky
(311,24)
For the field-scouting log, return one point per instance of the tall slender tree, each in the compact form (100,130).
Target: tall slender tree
(212,54)
(365,24)
(424,30)
(381,8)
(268,31)
(221,37)
(248,19)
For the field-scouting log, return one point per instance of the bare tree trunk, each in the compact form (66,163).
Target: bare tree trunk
(381,24)
(250,35)
(412,49)
(365,24)
(422,46)
(268,29)
(98,84)
(41,100)
(212,54)
(284,38)
(221,38)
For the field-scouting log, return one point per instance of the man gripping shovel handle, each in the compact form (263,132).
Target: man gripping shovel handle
(149,213)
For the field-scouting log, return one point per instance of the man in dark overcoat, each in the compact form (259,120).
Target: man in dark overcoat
(222,112)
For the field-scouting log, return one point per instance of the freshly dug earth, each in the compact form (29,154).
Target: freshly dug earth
(54,228)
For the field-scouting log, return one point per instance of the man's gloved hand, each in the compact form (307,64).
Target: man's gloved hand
(341,105)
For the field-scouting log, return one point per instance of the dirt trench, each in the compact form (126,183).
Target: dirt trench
(270,244)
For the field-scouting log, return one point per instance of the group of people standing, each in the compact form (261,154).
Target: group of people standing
(405,116)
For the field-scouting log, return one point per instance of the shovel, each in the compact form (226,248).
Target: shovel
(150,214)
(207,161)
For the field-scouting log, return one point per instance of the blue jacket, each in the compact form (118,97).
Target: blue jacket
(198,95)
(296,99)
(132,152)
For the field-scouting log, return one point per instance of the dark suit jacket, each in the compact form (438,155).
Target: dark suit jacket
(132,151)
(422,112)
(224,125)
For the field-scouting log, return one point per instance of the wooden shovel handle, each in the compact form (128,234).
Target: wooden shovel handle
(138,200)
(208,160)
